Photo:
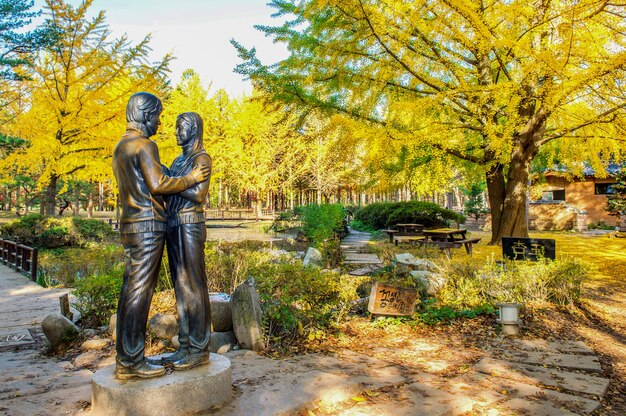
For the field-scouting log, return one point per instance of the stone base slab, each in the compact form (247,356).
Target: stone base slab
(174,394)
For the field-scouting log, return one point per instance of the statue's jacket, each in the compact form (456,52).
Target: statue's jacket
(187,206)
(142,182)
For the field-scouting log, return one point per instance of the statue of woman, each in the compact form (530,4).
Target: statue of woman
(185,237)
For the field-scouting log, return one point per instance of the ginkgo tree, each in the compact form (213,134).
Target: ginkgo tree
(77,97)
(490,82)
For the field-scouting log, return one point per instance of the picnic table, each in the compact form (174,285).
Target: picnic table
(404,230)
(447,238)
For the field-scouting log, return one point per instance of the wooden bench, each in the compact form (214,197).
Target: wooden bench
(445,246)
(407,238)
(468,243)
(391,234)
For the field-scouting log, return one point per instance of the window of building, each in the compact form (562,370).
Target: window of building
(604,188)
(554,195)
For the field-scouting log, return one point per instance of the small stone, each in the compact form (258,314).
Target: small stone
(221,313)
(222,342)
(163,344)
(87,359)
(94,344)
(59,329)
(408,259)
(246,309)
(313,257)
(90,333)
(163,325)
(112,329)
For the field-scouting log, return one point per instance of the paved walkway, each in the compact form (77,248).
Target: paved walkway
(30,383)
(518,377)
(354,248)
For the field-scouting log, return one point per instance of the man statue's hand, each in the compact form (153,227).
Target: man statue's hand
(200,173)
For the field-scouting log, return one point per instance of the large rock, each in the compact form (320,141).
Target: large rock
(246,309)
(432,282)
(407,259)
(313,257)
(222,342)
(221,313)
(59,329)
(163,325)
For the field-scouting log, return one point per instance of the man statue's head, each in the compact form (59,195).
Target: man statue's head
(144,108)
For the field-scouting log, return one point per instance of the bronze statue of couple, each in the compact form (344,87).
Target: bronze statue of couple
(159,206)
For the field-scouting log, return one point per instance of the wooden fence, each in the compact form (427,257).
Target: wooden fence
(19,257)
(238,214)
(220,215)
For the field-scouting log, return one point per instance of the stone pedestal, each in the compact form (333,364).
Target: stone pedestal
(178,393)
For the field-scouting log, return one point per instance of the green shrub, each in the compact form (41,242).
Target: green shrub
(360,226)
(229,264)
(92,230)
(63,266)
(298,301)
(388,214)
(544,281)
(97,296)
(322,222)
(50,232)
(433,314)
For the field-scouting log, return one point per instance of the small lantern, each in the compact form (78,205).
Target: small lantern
(509,318)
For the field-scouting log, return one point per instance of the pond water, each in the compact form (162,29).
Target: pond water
(242,230)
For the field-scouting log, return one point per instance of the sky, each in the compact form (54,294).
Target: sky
(197,33)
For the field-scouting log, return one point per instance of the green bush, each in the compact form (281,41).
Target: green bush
(229,264)
(388,214)
(544,281)
(297,301)
(50,232)
(92,230)
(63,266)
(97,296)
(433,314)
(323,222)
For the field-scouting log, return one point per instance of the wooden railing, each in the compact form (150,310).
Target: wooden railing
(19,257)
(238,214)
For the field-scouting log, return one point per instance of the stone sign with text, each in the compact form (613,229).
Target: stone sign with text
(391,300)
(518,248)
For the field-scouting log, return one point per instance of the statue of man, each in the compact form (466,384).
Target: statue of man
(142,184)
(185,237)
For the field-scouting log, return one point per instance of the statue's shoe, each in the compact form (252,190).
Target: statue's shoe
(167,358)
(192,360)
(141,370)
(171,358)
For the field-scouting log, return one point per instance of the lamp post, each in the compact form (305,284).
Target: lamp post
(509,318)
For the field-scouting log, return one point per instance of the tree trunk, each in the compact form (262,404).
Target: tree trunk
(51,196)
(507,196)
(100,196)
(90,204)
(76,201)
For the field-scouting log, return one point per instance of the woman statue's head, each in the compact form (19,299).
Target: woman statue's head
(189,131)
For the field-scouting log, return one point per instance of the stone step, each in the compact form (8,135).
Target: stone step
(567,347)
(531,374)
(475,384)
(581,362)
